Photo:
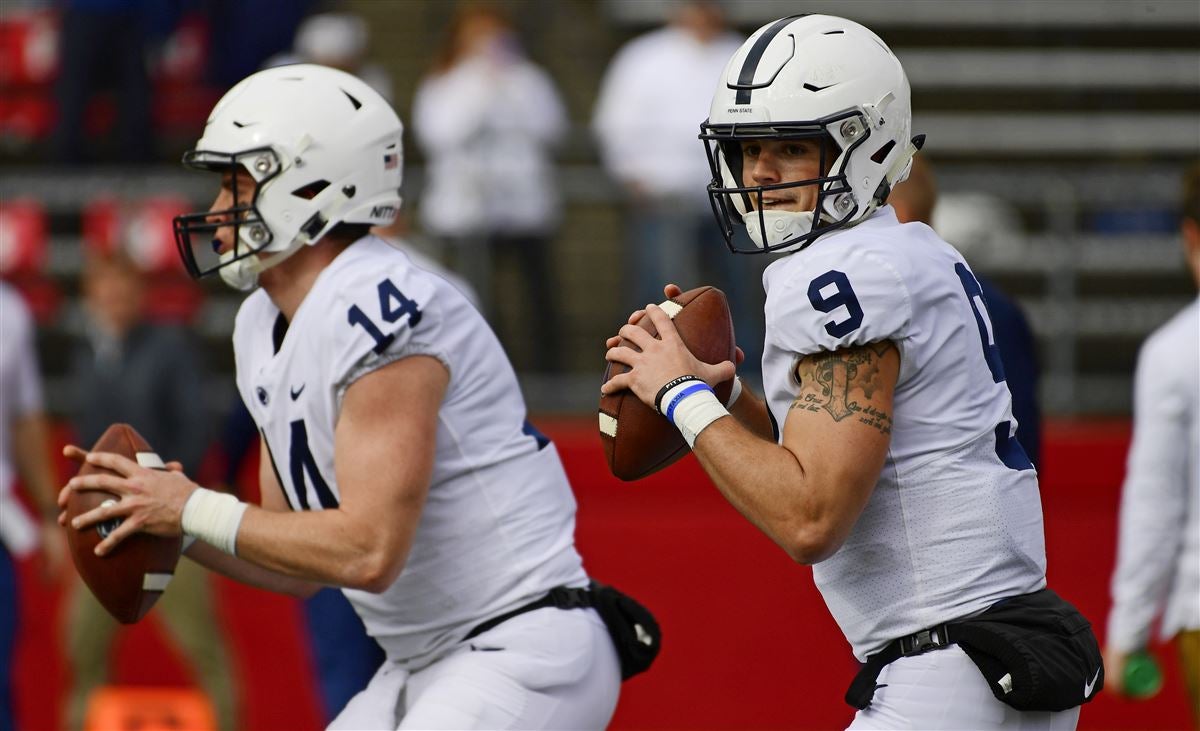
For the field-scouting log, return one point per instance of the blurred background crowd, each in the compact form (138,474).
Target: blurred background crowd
(552,166)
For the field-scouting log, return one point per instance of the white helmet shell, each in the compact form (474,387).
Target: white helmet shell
(323,148)
(810,76)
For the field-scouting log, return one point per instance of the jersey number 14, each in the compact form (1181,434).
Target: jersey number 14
(392,306)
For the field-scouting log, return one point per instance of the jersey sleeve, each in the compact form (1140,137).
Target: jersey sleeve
(19,334)
(380,317)
(835,303)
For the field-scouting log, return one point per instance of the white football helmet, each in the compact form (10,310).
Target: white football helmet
(323,149)
(809,77)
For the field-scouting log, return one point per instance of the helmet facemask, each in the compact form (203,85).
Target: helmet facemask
(733,202)
(195,233)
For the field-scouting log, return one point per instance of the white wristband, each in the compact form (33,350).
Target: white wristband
(214,517)
(692,406)
(734,392)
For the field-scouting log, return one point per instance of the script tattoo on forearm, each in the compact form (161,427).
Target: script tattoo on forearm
(830,381)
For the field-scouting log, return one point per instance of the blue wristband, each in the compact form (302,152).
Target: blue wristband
(702,386)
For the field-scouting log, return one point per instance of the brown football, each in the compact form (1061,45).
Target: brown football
(637,439)
(132,577)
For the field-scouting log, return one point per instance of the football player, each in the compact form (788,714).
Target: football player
(396,459)
(884,451)
(1157,577)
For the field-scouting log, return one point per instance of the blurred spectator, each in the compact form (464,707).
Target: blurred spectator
(245,33)
(1158,555)
(24,455)
(976,224)
(486,118)
(105,43)
(654,95)
(338,40)
(149,376)
(983,227)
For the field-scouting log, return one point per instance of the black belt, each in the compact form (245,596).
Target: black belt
(862,688)
(933,638)
(560,597)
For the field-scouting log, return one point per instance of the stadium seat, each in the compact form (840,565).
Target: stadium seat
(143,229)
(23,245)
(28,47)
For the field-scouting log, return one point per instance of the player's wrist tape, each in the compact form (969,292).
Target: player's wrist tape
(214,517)
(734,392)
(662,392)
(691,406)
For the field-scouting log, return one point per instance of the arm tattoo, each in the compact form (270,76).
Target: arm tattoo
(831,381)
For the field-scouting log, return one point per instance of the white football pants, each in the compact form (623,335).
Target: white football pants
(943,689)
(545,669)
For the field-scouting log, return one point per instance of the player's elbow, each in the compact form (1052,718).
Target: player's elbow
(374,572)
(811,543)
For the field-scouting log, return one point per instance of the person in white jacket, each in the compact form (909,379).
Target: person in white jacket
(487,119)
(654,93)
(1158,556)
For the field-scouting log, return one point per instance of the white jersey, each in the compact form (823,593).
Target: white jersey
(497,529)
(954,523)
(20,395)
(1158,555)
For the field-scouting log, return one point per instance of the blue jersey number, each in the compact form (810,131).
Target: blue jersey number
(842,296)
(1008,449)
(991,351)
(302,464)
(392,306)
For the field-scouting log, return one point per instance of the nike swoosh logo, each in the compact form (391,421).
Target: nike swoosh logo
(1087,687)
(297,391)
(643,636)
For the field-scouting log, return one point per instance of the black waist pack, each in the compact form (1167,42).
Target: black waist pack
(1037,652)
(634,631)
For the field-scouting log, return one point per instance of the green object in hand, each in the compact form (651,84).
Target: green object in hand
(1143,678)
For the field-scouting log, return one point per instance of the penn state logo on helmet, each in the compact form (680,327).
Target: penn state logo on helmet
(322,148)
(821,79)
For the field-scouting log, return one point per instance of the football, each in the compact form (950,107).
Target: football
(133,576)
(639,441)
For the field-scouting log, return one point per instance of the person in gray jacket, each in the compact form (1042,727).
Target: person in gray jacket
(149,375)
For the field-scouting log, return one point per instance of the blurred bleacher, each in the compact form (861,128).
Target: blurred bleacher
(1082,115)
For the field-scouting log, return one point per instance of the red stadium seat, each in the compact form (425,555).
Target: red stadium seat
(25,116)
(143,229)
(28,64)
(184,55)
(23,248)
(28,47)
